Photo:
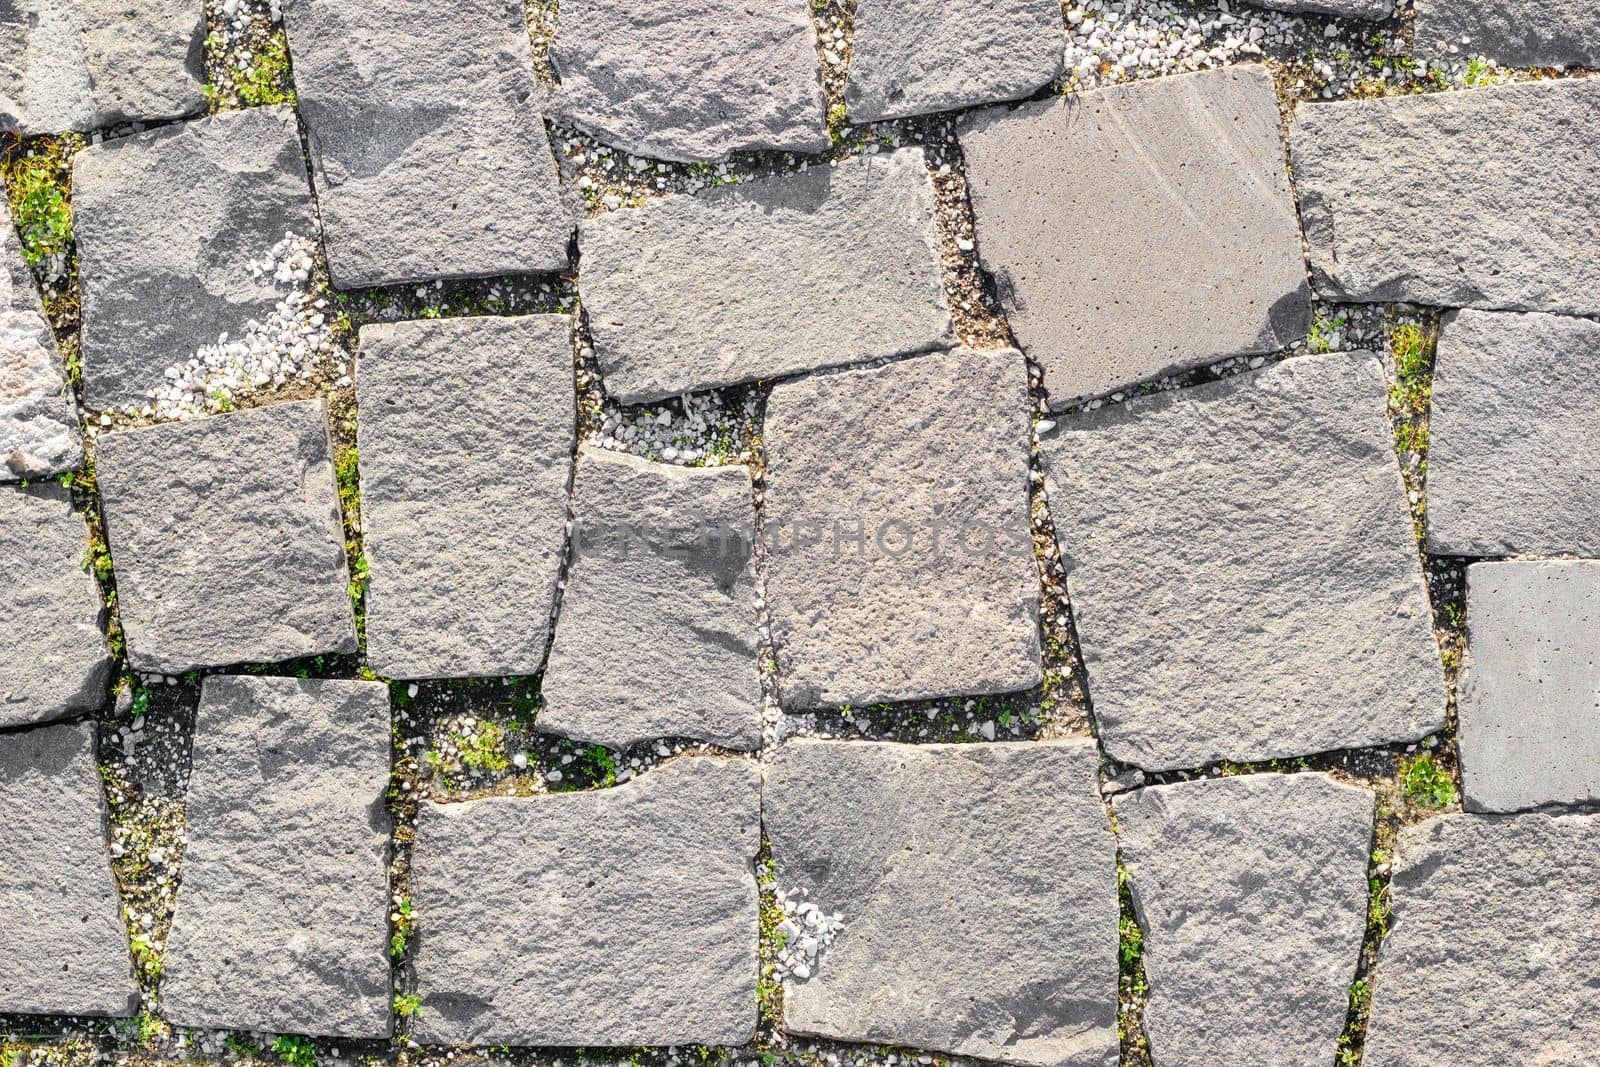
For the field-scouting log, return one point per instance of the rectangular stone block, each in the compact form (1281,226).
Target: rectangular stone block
(39,433)
(466,439)
(1513,33)
(617,916)
(1480,198)
(826,266)
(226,539)
(282,920)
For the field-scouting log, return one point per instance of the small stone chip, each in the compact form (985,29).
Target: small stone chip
(913,57)
(691,80)
(1514,436)
(226,539)
(1530,689)
(1513,33)
(39,433)
(822,267)
(619,916)
(430,154)
(657,633)
(978,889)
(1397,202)
(168,224)
(900,549)
(1140,229)
(282,918)
(53,657)
(1242,568)
(1490,956)
(66,950)
(1251,893)
(466,438)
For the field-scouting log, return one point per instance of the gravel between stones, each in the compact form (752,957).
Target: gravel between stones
(39,433)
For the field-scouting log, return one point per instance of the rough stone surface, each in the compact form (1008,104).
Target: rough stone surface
(1354,9)
(900,552)
(282,919)
(913,57)
(1513,33)
(226,539)
(826,266)
(39,433)
(1139,229)
(691,81)
(66,950)
(621,916)
(977,886)
(466,438)
(53,656)
(430,154)
(1490,956)
(1242,568)
(83,64)
(1514,432)
(1397,204)
(657,634)
(167,225)
(1251,893)
(1529,700)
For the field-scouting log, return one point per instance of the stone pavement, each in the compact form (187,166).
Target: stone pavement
(803,534)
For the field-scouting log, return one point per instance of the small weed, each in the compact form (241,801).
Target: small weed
(267,82)
(836,122)
(407,1005)
(485,750)
(405,922)
(1319,338)
(295,1051)
(1425,783)
(37,177)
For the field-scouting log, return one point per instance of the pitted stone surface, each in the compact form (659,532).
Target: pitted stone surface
(826,266)
(691,81)
(620,916)
(657,634)
(84,64)
(1514,432)
(466,439)
(977,886)
(1490,956)
(1513,33)
(1354,9)
(226,538)
(282,920)
(167,225)
(53,656)
(39,432)
(1529,703)
(430,154)
(1251,892)
(912,57)
(1396,205)
(66,950)
(1242,568)
(900,550)
(1139,229)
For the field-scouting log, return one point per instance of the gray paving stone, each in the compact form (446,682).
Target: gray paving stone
(53,656)
(1242,569)
(691,81)
(84,64)
(226,539)
(1140,229)
(949,942)
(430,154)
(66,950)
(1514,432)
(39,432)
(1355,9)
(466,439)
(167,224)
(913,57)
(1513,33)
(282,920)
(1529,702)
(1396,203)
(827,266)
(657,633)
(621,916)
(1252,895)
(899,545)
(1490,956)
